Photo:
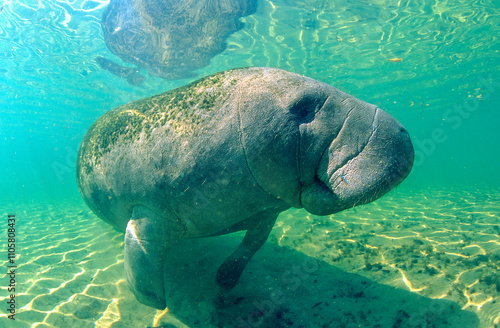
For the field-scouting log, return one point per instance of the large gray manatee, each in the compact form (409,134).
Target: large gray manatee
(230,152)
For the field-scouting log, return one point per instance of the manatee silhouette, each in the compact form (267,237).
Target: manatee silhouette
(172,38)
(230,152)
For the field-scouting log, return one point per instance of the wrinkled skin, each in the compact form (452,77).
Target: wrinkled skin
(228,153)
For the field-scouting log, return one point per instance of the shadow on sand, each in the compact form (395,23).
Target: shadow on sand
(285,288)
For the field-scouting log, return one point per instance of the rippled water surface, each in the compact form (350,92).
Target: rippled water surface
(434,65)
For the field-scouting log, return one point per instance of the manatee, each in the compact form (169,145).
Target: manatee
(172,38)
(229,152)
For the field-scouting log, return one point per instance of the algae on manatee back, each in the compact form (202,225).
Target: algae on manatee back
(178,111)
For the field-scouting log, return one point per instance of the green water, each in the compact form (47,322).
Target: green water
(445,91)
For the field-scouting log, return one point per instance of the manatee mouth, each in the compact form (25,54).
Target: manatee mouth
(354,173)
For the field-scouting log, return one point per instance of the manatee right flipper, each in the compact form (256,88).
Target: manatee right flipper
(147,239)
(230,271)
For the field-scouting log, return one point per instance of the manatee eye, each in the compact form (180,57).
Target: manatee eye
(305,108)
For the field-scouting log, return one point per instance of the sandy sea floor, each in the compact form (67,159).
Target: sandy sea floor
(415,258)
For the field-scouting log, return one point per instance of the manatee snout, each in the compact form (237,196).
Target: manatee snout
(371,154)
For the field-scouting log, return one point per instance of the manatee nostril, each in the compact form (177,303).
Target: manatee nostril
(306,107)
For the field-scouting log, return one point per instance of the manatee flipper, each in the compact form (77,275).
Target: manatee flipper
(131,74)
(147,239)
(230,271)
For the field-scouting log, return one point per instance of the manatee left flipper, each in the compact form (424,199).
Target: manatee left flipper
(147,239)
(131,74)
(230,271)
